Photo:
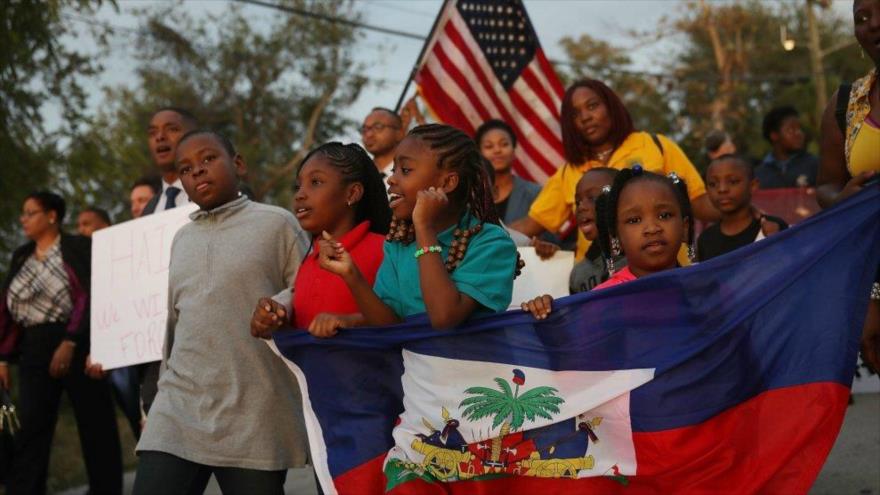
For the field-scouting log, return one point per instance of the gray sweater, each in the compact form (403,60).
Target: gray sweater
(225,399)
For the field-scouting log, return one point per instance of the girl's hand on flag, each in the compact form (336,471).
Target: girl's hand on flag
(333,257)
(539,307)
(326,325)
(268,317)
(430,205)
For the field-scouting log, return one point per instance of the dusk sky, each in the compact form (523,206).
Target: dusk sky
(390,58)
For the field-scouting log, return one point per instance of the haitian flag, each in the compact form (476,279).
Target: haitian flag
(731,376)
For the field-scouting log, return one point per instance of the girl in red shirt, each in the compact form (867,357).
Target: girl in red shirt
(338,191)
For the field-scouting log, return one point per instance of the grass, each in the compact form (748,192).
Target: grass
(66,466)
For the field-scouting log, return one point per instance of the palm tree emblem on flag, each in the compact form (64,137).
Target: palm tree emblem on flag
(509,409)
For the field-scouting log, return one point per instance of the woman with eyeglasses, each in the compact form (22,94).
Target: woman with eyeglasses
(44,322)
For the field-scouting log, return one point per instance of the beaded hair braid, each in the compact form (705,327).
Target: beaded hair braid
(606,206)
(455,151)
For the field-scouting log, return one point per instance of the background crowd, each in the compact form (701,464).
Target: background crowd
(44,319)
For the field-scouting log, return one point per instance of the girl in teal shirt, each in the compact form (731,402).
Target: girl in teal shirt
(445,253)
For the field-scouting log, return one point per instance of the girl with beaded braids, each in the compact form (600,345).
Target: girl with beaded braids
(445,253)
(340,192)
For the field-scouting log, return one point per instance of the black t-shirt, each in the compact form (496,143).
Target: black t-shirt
(501,207)
(713,242)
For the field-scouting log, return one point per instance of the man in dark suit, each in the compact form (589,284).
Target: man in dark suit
(166,127)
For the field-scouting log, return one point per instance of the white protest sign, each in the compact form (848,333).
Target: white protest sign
(541,277)
(130,287)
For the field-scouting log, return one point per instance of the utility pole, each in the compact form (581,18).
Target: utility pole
(816,56)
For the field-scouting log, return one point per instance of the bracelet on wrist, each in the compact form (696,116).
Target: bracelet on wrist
(426,250)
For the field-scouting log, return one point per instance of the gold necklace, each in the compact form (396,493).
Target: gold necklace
(603,156)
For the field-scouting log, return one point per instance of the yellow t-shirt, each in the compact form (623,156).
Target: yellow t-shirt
(555,204)
(865,154)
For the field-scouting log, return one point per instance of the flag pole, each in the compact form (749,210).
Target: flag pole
(415,68)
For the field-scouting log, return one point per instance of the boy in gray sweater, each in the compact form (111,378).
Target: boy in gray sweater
(226,405)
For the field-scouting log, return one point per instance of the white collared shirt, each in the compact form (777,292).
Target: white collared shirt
(181,198)
(386,173)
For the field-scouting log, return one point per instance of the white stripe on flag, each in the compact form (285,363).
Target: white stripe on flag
(535,68)
(432,384)
(450,87)
(524,125)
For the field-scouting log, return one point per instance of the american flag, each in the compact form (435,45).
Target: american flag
(483,61)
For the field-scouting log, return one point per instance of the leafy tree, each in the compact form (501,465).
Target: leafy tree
(645,97)
(37,70)
(274,89)
(729,71)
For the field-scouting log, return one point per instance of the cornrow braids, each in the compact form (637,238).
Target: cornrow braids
(607,218)
(456,151)
(356,166)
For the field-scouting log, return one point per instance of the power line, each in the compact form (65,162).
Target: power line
(334,19)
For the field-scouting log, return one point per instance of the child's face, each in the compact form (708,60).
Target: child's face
(790,135)
(415,169)
(650,226)
(497,147)
(321,196)
(588,189)
(208,173)
(729,187)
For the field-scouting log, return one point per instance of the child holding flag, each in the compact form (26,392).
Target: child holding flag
(445,253)
(645,217)
(338,190)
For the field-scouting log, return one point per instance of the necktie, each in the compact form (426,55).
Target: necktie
(170,195)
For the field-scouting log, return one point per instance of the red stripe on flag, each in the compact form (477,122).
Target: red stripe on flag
(442,104)
(549,73)
(514,120)
(541,92)
(461,81)
(720,455)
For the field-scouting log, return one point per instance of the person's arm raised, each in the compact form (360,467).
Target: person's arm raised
(446,305)
(334,258)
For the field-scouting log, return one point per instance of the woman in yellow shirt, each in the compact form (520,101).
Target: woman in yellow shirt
(597,131)
(850,151)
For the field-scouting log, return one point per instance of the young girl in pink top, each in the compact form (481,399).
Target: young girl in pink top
(645,217)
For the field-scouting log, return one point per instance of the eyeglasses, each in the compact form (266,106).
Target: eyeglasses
(379,127)
(29,214)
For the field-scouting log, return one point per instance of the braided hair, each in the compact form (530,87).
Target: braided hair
(606,205)
(356,166)
(458,152)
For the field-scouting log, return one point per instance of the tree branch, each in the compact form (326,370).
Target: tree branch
(278,173)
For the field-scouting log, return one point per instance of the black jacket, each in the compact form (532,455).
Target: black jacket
(76,252)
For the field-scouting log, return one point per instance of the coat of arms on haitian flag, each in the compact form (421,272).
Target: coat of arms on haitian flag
(500,426)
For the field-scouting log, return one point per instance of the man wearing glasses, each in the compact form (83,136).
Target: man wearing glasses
(381,132)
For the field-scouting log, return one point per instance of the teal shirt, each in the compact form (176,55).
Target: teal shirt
(485,274)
